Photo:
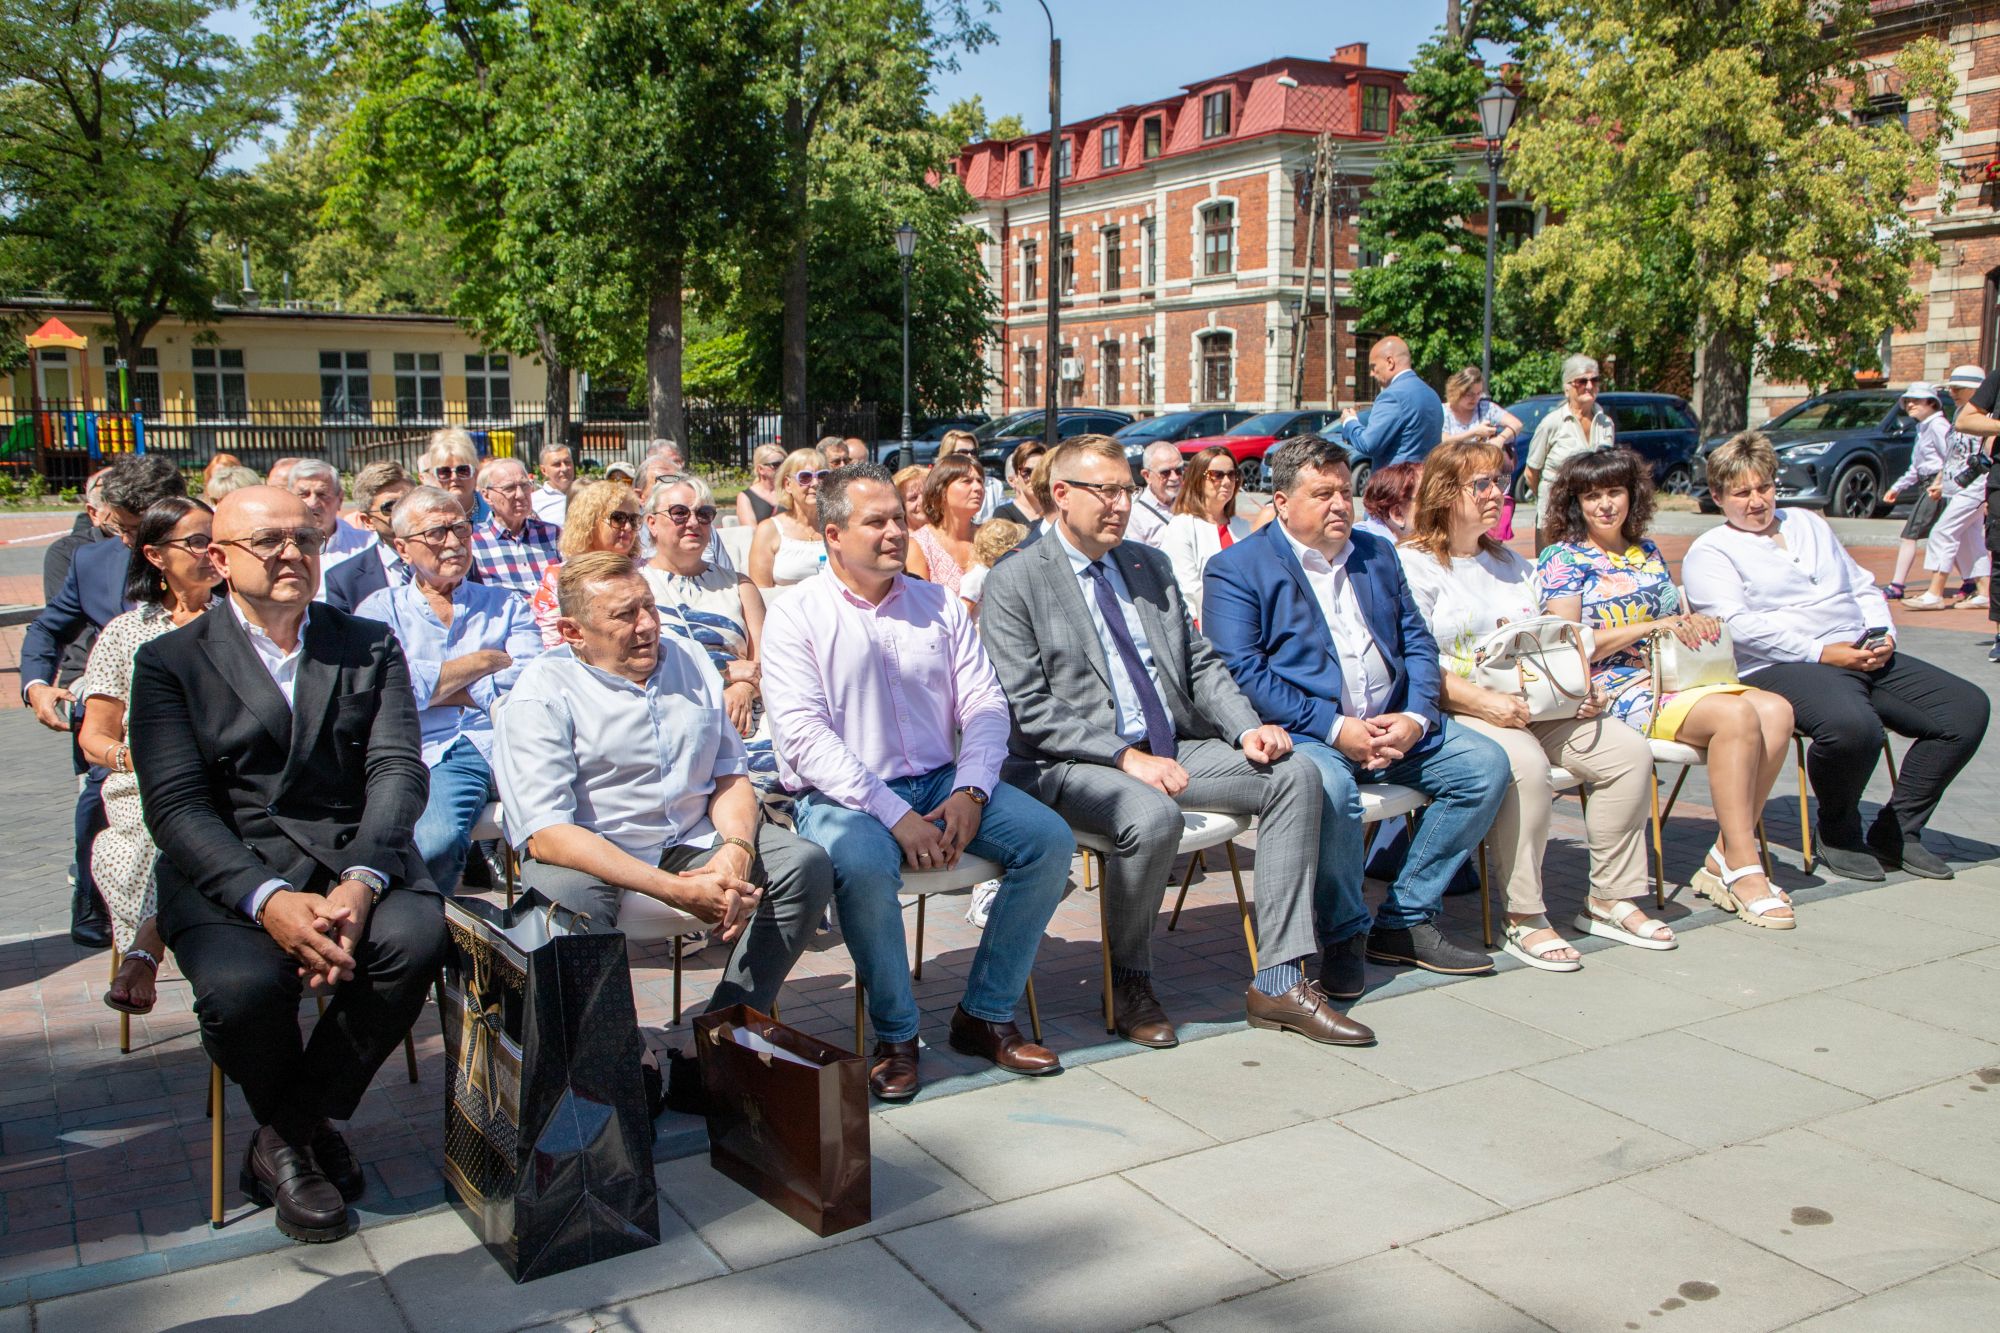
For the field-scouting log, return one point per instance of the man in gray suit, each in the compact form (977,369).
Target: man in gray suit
(1124,716)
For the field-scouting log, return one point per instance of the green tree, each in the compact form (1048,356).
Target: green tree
(1706,180)
(116,118)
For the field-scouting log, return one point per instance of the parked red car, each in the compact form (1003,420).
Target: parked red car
(1247,440)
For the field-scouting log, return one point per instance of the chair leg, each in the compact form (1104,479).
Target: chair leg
(215,1146)
(1659,849)
(1196,861)
(1889,755)
(1764,848)
(917,958)
(1675,795)
(410,1054)
(510,861)
(1103,936)
(1242,905)
(1034,1013)
(1485,897)
(677,981)
(1805,818)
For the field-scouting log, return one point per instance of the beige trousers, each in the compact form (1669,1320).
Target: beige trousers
(1615,763)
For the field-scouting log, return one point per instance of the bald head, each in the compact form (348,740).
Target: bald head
(1388,358)
(267,551)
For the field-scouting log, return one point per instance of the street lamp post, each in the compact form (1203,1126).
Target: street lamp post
(906,246)
(1496,117)
(1051,362)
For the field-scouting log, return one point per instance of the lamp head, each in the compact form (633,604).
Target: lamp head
(906,240)
(1496,112)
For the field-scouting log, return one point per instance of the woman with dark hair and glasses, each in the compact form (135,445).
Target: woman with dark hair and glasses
(1576,427)
(1604,572)
(1205,521)
(172,581)
(603,516)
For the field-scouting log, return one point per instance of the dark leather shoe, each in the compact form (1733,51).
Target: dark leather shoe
(91,933)
(892,1070)
(1424,945)
(335,1161)
(276,1173)
(1848,862)
(1303,1009)
(1137,1014)
(89,918)
(1343,967)
(1002,1043)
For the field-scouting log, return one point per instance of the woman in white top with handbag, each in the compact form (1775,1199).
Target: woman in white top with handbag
(1205,521)
(1667,671)
(1469,586)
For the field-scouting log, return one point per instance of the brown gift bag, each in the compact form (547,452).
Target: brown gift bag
(787,1117)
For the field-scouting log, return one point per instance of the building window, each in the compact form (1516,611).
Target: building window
(1066,266)
(1107,147)
(1989,331)
(1155,136)
(1027,168)
(1149,373)
(343,387)
(1152,237)
(1215,115)
(142,381)
(1517,226)
(1218,239)
(1365,387)
(1031,376)
(1031,270)
(1374,109)
(489,391)
(1890,108)
(419,386)
(1217,367)
(1065,163)
(1069,376)
(1114,260)
(1363,256)
(219,393)
(1110,360)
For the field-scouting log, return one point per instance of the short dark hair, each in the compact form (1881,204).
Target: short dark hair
(140,482)
(834,509)
(1601,470)
(1302,453)
(144,582)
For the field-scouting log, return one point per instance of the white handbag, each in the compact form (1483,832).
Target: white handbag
(1544,659)
(1678,667)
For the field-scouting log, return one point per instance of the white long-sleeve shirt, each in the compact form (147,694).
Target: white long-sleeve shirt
(1782,604)
(1930,455)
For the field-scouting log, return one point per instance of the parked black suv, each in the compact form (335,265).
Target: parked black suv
(1837,452)
(1660,427)
(998,439)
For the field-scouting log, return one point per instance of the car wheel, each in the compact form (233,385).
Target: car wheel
(1678,481)
(1246,473)
(1359,469)
(1856,492)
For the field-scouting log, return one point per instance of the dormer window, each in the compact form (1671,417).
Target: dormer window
(1215,115)
(1374,109)
(1027,161)
(1107,147)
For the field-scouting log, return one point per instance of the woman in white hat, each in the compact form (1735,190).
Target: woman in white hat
(1926,465)
(1957,538)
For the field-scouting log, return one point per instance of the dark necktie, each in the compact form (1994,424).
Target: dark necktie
(1159,727)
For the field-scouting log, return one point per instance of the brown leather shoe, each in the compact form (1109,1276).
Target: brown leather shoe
(1303,1009)
(282,1174)
(1002,1043)
(1138,1015)
(892,1071)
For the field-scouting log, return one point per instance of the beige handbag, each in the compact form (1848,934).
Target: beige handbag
(1678,667)
(1544,659)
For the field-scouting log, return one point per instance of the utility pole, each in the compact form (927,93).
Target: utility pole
(1052,362)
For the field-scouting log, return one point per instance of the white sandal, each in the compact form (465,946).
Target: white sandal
(1755,912)
(1613,927)
(1537,955)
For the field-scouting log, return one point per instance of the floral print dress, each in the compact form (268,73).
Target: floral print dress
(1617,590)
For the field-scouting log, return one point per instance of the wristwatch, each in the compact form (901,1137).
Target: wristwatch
(375,884)
(978,797)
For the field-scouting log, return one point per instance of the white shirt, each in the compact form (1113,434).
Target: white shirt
(346,542)
(550,504)
(1149,519)
(1190,543)
(1365,679)
(1782,605)
(1131,726)
(635,764)
(1469,597)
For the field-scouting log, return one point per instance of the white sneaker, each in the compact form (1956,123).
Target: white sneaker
(983,895)
(1925,603)
(1973,602)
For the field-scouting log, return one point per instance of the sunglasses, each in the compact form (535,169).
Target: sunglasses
(623,518)
(810,478)
(680,514)
(1173,471)
(1592,380)
(452,472)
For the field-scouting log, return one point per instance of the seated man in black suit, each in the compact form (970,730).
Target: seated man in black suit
(277,745)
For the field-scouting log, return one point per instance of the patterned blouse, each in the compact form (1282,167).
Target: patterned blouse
(1617,590)
(708,608)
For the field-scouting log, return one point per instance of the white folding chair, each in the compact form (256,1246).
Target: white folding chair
(647,920)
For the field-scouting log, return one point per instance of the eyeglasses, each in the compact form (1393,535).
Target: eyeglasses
(1107,491)
(435,536)
(270,543)
(1485,485)
(512,488)
(1591,380)
(1218,475)
(1173,471)
(453,472)
(623,518)
(809,478)
(680,514)
(195,543)
(386,507)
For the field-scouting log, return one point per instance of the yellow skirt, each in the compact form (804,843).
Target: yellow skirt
(1669,713)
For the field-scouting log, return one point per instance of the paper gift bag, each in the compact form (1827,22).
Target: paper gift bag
(787,1118)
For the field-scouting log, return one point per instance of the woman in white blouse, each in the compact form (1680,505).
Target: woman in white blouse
(1204,522)
(1467,585)
(1810,624)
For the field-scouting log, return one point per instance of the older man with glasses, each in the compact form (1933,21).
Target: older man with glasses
(318,484)
(1164,467)
(466,643)
(513,548)
(1576,427)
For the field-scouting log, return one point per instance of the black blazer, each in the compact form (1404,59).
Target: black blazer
(238,789)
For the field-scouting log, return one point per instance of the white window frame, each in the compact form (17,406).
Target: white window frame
(346,373)
(1200,235)
(416,371)
(1110,147)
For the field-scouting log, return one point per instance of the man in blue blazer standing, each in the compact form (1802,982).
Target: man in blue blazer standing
(1317,624)
(1407,420)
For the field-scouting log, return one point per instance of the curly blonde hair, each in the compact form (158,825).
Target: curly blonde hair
(587,508)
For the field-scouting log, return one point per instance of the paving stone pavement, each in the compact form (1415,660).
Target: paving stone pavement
(1754,1131)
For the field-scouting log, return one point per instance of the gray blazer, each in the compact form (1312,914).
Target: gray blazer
(1039,634)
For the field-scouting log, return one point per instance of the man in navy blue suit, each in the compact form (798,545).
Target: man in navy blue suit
(347,585)
(1407,420)
(92,593)
(1317,624)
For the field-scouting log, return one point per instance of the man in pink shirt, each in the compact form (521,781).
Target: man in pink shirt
(889,721)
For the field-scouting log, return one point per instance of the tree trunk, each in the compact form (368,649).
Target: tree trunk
(1722,379)
(792,364)
(664,408)
(555,398)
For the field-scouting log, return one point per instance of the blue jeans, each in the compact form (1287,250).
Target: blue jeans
(1032,845)
(461,786)
(1466,777)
